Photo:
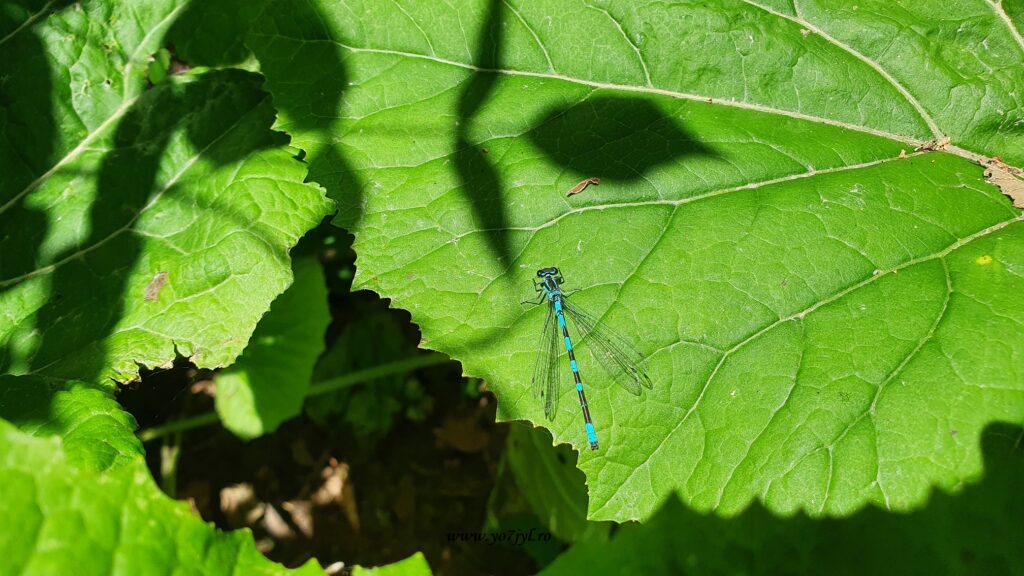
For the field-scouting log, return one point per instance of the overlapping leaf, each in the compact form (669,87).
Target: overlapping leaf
(827,323)
(136,224)
(551,483)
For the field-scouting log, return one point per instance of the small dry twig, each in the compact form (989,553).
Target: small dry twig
(583,185)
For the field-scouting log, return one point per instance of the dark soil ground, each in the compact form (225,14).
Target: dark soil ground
(328,492)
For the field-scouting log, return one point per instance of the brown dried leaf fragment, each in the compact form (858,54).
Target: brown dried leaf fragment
(1010,180)
(583,185)
(933,144)
(463,433)
(240,506)
(152,291)
(337,489)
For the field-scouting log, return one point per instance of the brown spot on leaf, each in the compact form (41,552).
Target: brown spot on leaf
(152,291)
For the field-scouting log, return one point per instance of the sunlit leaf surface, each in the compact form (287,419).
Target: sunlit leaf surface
(830,317)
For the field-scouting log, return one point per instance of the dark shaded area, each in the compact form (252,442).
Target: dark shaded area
(428,469)
(212,32)
(963,533)
(308,89)
(27,137)
(614,138)
(24,400)
(477,176)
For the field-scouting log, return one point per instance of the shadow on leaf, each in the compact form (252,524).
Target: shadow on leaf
(614,138)
(88,290)
(974,531)
(477,176)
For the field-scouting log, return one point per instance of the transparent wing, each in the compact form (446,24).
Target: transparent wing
(616,354)
(545,371)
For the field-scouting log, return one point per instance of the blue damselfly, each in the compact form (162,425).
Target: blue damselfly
(615,353)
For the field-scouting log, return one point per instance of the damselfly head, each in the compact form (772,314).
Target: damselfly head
(547,272)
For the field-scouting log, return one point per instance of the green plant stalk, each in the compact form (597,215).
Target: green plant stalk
(318,388)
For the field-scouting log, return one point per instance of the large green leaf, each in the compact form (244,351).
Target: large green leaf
(137,223)
(268,383)
(71,520)
(827,324)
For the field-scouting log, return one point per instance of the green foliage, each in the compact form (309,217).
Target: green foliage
(95,432)
(165,233)
(827,291)
(974,532)
(72,520)
(137,223)
(828,324)
(548,477)
(267,384)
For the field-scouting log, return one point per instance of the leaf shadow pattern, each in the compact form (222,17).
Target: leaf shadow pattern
(619,140)
(88,289)
(27,137)
(974,531)
(308,89)
(614,138)
(478,178)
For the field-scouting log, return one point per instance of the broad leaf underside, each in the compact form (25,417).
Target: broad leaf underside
(827,324)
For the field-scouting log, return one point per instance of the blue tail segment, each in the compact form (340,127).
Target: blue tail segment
(615,353)
(556,300)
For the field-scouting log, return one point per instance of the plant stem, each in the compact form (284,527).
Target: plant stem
(181,425)
(318,388)
(360,376)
